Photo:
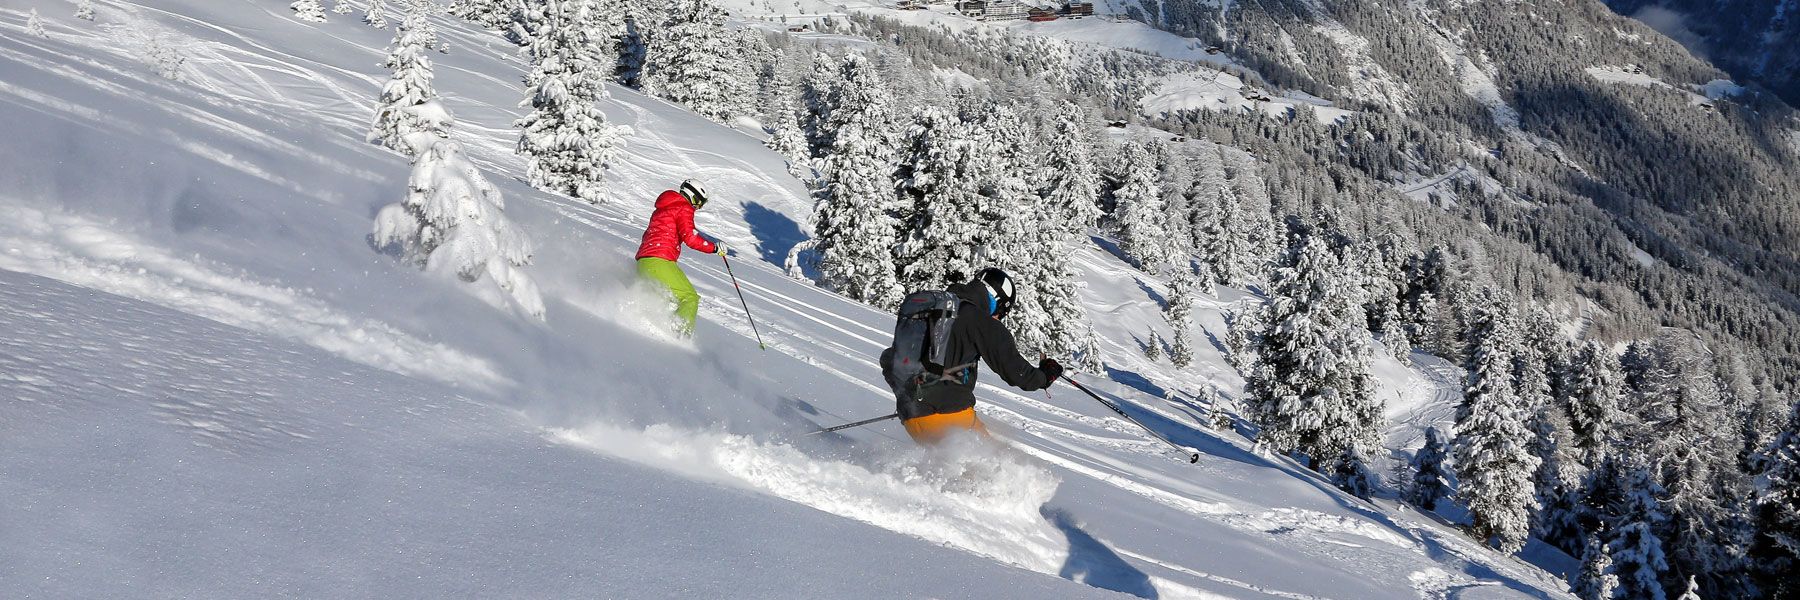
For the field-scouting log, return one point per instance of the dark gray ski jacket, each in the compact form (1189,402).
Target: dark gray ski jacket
(975,336)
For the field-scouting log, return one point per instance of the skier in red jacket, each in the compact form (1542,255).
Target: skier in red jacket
(670,226)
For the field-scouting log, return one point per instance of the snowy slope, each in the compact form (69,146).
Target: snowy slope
(214,387)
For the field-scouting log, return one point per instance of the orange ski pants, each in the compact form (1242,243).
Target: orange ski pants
(931,429)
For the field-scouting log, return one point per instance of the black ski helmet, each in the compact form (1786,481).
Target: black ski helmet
(695,192)
(1000,290)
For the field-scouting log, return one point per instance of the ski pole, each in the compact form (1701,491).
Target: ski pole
(1193,457)
(740,291)
(856,424)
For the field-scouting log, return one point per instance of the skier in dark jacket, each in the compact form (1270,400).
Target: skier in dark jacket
(976,335)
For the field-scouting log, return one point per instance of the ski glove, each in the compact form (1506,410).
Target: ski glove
(1051,370)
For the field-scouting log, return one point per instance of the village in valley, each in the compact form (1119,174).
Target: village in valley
(1007,10)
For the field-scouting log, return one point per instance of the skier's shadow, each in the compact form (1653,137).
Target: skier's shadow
(1092,563)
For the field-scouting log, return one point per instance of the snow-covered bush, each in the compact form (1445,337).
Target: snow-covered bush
(451,222)
(35,25)
(84,10)
(308,10)
(408,116)
(376,16)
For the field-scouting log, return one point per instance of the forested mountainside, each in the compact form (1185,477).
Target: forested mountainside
(1603,141)
(1756,40)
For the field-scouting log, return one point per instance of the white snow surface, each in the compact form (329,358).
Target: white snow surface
(212,386)
(1208,89)
(1629,75)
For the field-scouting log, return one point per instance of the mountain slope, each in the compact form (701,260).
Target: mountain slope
(220,389)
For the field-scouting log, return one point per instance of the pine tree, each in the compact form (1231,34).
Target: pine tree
(1594,386)
(1693,590)
(1428,483)
(1068,208)
(486,13)
(1178,315)
(1153,349)
(376,16)
(787,137)
(566,139)
(1494,464)
(308,10)
(691,60)
(35,25)
(408,116)
(1310,390)
(939,200)
(341,7)
(1637,553)
(84,10)
(853,225)
(451,222)
(1775,551)
(525,19)
(1139,213)
(1596,581)
(1251,223)
(1383,275)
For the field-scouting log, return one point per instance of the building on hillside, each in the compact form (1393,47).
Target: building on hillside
(993,10)
(1078,9)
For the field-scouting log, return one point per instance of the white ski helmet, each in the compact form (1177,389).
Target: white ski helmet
(695,191)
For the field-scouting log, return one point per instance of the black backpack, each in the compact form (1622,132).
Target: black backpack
(922,344)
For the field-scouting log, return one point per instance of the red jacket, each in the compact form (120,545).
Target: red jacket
(671,225)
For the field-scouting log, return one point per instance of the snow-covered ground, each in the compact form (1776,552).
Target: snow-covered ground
(1207,89)
(212,386)
(1632,75)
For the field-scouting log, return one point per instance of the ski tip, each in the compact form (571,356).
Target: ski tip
(1194,458)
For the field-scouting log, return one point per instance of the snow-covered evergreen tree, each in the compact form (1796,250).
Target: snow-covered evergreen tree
(1383,275)
(408,116)
(341,7)
(1596,580)
(1178,314)
(376,15)
(1310,390)
(524,20)
(35,25)
(1638,561)
(1692,591)
(1428,482)
(1593,383)
(84,10)
(853,224)
(451,222)
(492,14)
(1153,348)
(1494,463)
(787,137)
(1068,208)
(940,201)
(1775,552)
(1252,223)
(308,10)
(691,60)
(565,138)
(1139,213)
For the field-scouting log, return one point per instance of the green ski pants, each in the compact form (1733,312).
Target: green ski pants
(667,273)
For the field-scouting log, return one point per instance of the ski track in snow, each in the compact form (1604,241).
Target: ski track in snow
(86,253)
